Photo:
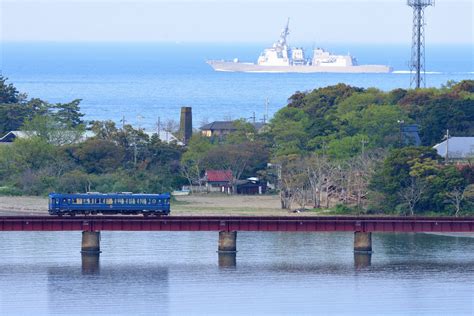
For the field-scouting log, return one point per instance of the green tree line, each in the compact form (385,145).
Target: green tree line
(337,145)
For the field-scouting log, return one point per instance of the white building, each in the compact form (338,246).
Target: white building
(459,148)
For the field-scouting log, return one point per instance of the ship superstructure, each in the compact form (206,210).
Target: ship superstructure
(280,58)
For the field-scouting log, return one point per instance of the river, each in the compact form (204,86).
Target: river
(178,273)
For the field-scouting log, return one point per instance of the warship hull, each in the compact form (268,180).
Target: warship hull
(231,66)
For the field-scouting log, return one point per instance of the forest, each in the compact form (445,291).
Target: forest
(339,147)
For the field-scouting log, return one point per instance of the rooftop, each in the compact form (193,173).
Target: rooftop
(458,147)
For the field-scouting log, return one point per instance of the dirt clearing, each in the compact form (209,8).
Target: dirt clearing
(208,204)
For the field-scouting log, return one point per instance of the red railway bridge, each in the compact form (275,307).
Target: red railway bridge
(228,226)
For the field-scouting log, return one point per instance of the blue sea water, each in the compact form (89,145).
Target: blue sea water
(147,81)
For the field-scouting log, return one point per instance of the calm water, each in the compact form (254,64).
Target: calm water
(145,82)
(275,273)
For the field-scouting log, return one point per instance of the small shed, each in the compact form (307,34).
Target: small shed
(219,181)
(251,186)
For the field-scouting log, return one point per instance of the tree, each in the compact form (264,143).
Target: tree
(98,156)
(244,158)
(8,93)
(293,180)
(288,131)
(53,131)
(412,193)
(456,197)
(398,171)
(104,130)
(68,113)
(362,169)
(193,160)
(317,167)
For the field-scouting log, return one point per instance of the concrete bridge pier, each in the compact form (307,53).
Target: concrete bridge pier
(90,242)
(227,242)
(362,242)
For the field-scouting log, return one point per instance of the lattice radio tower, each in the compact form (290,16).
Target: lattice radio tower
(417,62)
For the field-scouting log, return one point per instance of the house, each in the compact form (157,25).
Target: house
(12,135)
(222,128)
(65,135)
(456,148)
(219,181)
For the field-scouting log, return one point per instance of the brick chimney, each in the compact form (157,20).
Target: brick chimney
(186,124)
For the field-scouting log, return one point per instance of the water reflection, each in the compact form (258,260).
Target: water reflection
(90,263)
(227,259)
(109,288)
(362,260)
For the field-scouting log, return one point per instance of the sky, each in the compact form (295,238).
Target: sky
(322,21)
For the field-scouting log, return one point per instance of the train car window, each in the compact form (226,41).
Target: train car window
(74,201)
(153,201)
(108,201)
(79,201)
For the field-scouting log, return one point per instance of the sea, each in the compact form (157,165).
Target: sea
(147,83)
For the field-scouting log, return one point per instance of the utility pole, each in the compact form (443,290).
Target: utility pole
(123,122)
(446,158)
(158,126)
(135,152)
(400,129)
(265,117)
(364,142)
(253,118)
(139,121)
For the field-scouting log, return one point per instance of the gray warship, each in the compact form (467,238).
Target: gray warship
(281,58)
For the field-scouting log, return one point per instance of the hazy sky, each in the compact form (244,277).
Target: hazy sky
(383,21)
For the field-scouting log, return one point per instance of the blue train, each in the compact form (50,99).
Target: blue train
(109,203)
